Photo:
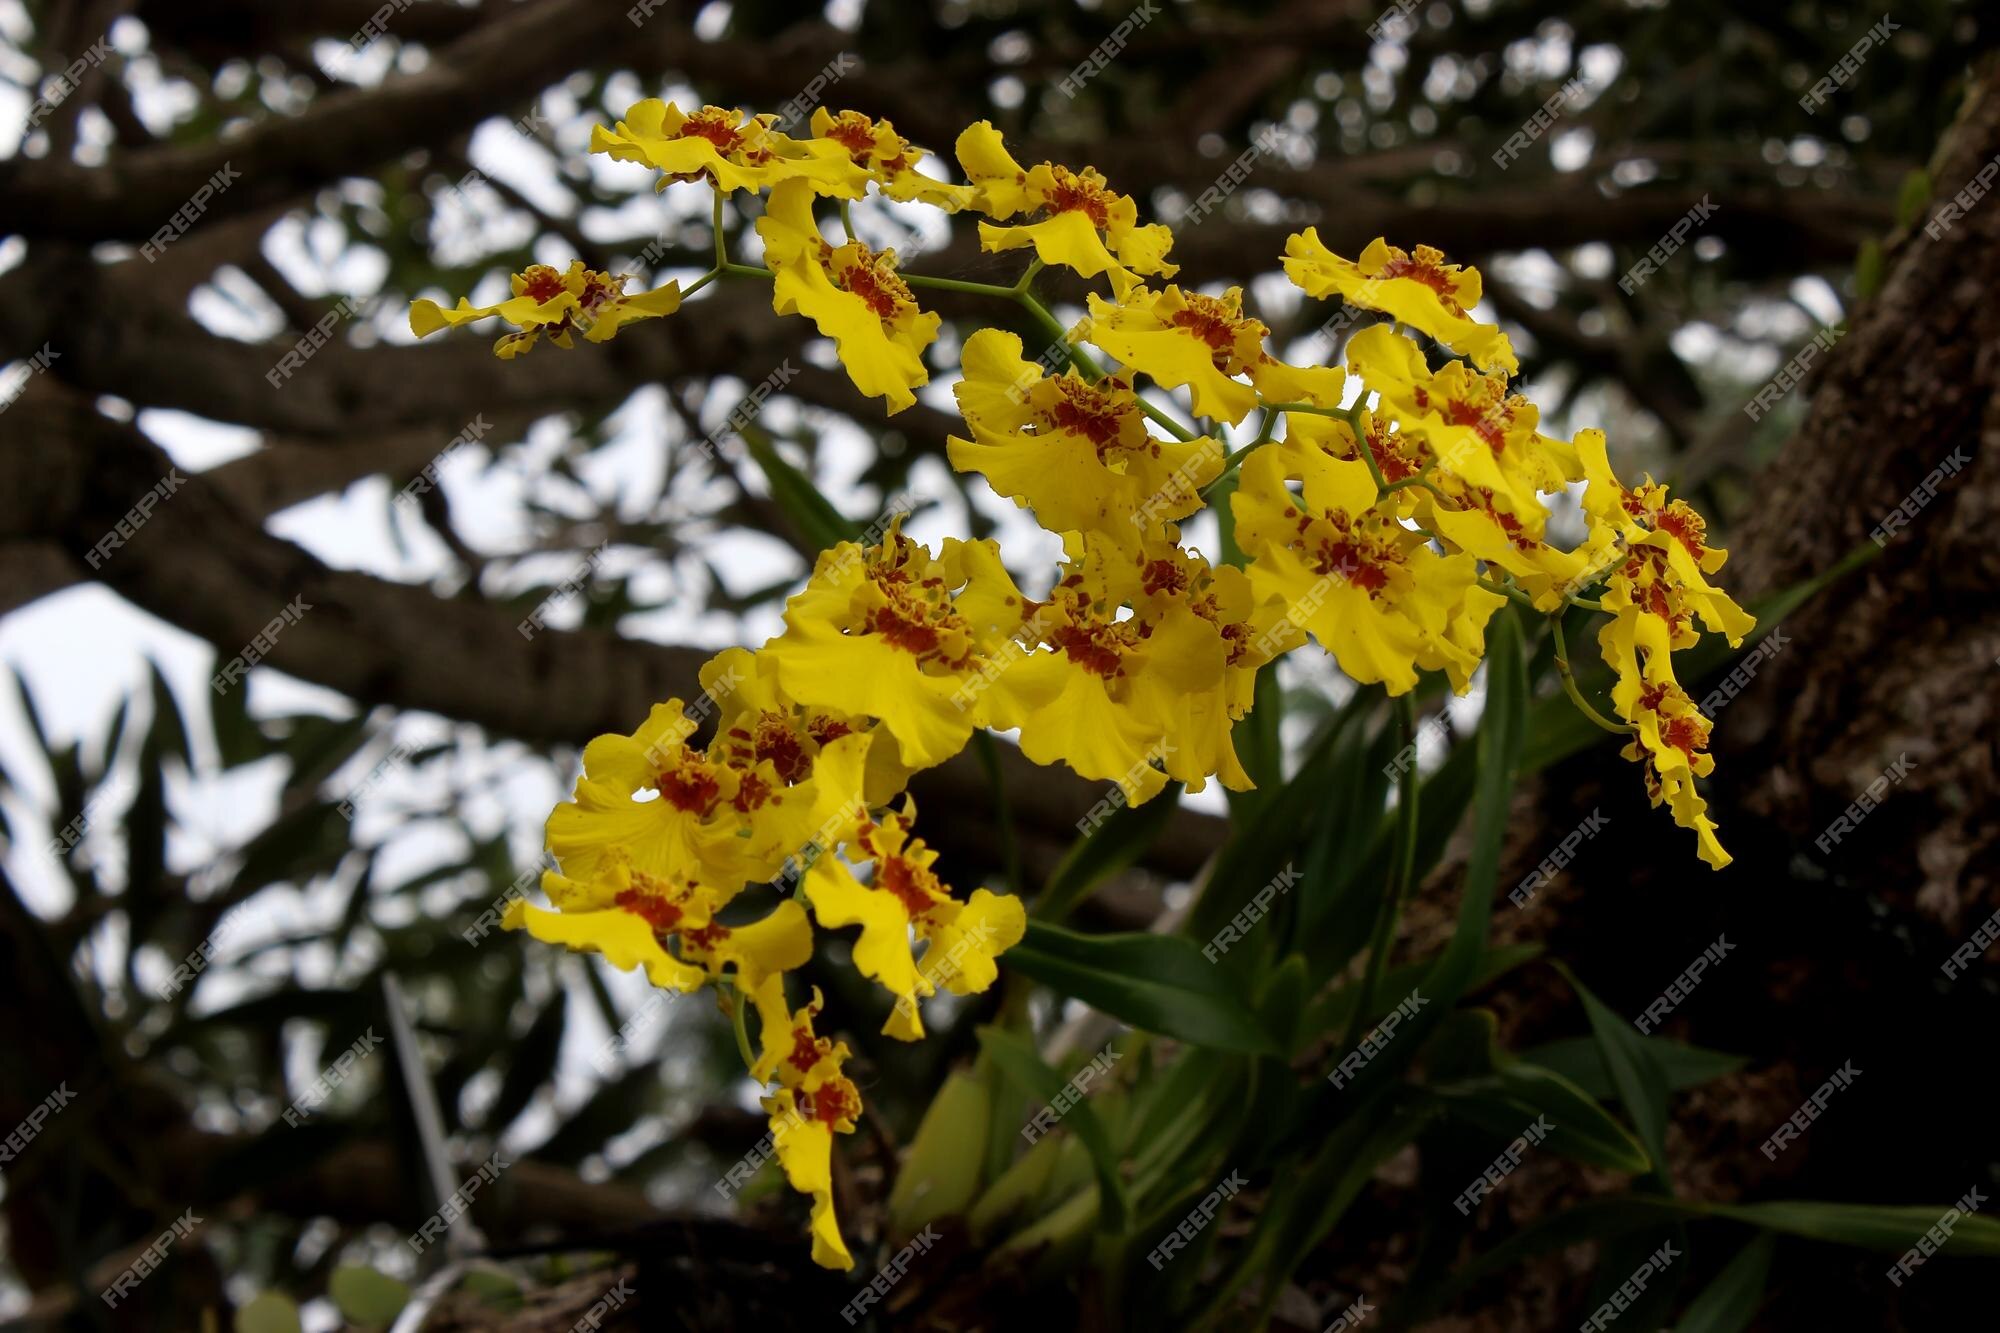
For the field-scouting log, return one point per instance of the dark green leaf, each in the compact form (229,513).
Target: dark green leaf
(1023,1066)
(1889,1228)
(1110,847)
(1158,983)
(821,524)
(1641,1082)
(531,1062)
(1581,1061)
(1729,1303)
(1519,1095)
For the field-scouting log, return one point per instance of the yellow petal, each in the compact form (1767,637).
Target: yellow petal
(625,940)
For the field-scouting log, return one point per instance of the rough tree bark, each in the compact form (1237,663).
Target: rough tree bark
(1839,951)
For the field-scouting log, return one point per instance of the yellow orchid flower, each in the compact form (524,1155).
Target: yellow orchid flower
(804,1120)
(916,640)
(875,147)
(1137,670)
(1666,554)
(1672,738)
(1075,452)
(1474,428)
(852,294)
(788,1046)
(558,303)
(1086,226)
(1421,290)
(1253,632)
(1201,343)
(760,723)
(623,914)
(721,823)
(727,148)
(1371,591)
(777,942)
(905,896)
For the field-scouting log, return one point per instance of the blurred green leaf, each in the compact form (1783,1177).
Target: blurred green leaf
(1023,1065)
(1581,1061)
(1641,1082)
(1891,1228)
(822,525)
(531,1062)
(367,1297)
(1729,1303)
(1520,1094)
(940,1174)
(296,847)
(268,1313)
(1912,196)
(1096,856)
(1159,983)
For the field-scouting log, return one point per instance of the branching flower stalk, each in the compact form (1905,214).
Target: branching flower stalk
(1387,529)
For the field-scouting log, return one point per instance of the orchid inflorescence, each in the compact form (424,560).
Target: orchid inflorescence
(1389,531)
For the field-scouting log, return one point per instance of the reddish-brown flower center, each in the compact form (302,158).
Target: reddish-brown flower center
(1079,194)
(805,1049)
(541,282)
(779,743)
(834,1101)
(691,787)
(715,125)
(654,910)
(1427,267)
(911,884)
(706,937)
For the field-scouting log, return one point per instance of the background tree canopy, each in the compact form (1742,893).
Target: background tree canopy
(350,807)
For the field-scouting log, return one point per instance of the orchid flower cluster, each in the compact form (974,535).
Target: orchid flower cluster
(1388,528)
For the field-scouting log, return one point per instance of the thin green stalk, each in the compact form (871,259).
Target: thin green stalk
(1408,482)
(1010,848)
(1391,912)
(721,244)
(1310,409)
(1508,590)
(1230,464)
(1167,423)
(738,1020)
(1575,694)
(959,285)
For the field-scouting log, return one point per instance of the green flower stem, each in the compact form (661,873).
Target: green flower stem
(959,285)
(1391,911)
(746,271)
(1374,468)
(1167,423)
(1575,694)
(1508,589)
(1230,464)
(721,243)
(739,1002)
(1408,482)
(1310,409)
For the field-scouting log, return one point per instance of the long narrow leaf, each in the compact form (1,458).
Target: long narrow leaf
(1023,1065)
